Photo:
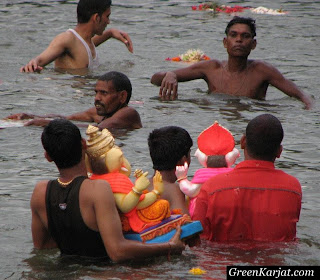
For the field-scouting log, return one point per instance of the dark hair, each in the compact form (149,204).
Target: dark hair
(264,135)
(245,20)
(87,8)
(120,82)
(62,141)
(167,145)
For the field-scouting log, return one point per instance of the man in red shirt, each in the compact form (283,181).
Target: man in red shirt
(254,201)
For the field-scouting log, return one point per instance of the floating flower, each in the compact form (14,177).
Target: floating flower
(213,6)
(190,56)
(197,271)
(263,10)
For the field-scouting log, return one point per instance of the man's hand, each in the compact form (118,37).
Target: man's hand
(32,66)
(177,245)
(169,87)
(308,101)
(123,37)
(20,116)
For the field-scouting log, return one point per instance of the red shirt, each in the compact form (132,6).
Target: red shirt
(253,202)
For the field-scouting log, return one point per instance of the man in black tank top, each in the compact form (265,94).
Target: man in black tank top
(79,215)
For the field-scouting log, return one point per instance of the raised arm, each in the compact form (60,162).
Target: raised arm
(116,34)
(168,81)
(277,80)
(109,225)
(55,49)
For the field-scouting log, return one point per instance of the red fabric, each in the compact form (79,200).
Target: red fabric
(120,183)
(215,140)
(253,202)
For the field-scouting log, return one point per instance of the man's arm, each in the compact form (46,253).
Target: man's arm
(55,49)
(89,115)
(109,225)
(40,235)
(277,80)
(168,81)
(116,34)
(126,117)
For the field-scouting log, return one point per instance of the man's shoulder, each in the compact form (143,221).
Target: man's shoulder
(213,64)
(65,37)
(258,64)
(289,180)
(129,110)
(95,184)
(129,117)
(39,194)
(41,186)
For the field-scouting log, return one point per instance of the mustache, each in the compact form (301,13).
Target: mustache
(98,103)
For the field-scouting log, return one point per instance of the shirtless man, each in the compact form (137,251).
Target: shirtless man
(79,215)
(113,93)
(238,76)
(75,48)
(170,146)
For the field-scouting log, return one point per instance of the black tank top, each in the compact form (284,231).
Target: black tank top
(65,223)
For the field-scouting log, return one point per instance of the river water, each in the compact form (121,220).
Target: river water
(159,29)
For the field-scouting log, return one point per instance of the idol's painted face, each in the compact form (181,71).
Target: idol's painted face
(107,100)
(239,40)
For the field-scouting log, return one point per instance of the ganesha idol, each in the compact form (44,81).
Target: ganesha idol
(216,153)
(143,214)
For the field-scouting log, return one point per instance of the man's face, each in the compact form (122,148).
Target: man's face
(107,99)
(103,21)
(239,41)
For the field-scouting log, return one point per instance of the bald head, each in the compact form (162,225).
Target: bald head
(264,135)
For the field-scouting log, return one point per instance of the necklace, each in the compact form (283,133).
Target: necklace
(242,83)
(64,184)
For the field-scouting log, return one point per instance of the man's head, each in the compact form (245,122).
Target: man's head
(240,40)
(169,146)
(87,8)
(263,138)
(113,91)
(243,20)
(62,142)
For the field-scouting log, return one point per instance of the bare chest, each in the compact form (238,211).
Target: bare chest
(246,83)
